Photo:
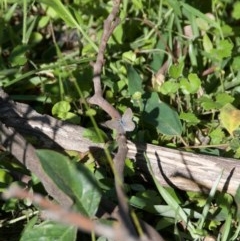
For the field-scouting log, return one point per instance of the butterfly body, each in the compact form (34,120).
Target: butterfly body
(125,124)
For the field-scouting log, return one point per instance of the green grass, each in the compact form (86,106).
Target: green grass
(46,52)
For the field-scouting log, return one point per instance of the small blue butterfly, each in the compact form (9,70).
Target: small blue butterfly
(124,124)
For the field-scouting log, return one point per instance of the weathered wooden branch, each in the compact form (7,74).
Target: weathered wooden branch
(183,170)
(15,121)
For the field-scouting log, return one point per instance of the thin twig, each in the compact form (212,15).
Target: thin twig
(109,25)
(57,213)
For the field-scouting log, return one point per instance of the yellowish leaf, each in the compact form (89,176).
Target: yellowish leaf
(230,118)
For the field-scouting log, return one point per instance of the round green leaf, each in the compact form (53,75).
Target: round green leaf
(61,108)
(175,71)
(169,87)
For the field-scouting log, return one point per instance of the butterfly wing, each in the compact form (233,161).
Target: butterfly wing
(123,125)
(126,121)
(130,126)
(114,124)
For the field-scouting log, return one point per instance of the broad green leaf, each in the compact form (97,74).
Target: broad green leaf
(43,21)
(207,44)
(161,116)
(191,85)
(208,104)
(169,87)
(198,198)
(129,56)
(216,136)
(227,30)
(76,181)
(117,36)
(195,81)
(190,118)
(234,144)
(224,98)
(236,63)
(5,179)
(146,200)
(129,169)
(158,57)
(236,10)
(48,231)
(167,211)
(11,205)
(223,50)
(18,55)
(61,107)
(138,4)
(202,24)
(225,202)
(70,117)
(175,71)
(5,176)
(134,81)
(55,164)
(230,118)
(62,110)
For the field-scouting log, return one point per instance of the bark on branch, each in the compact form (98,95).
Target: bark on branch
(183,170)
